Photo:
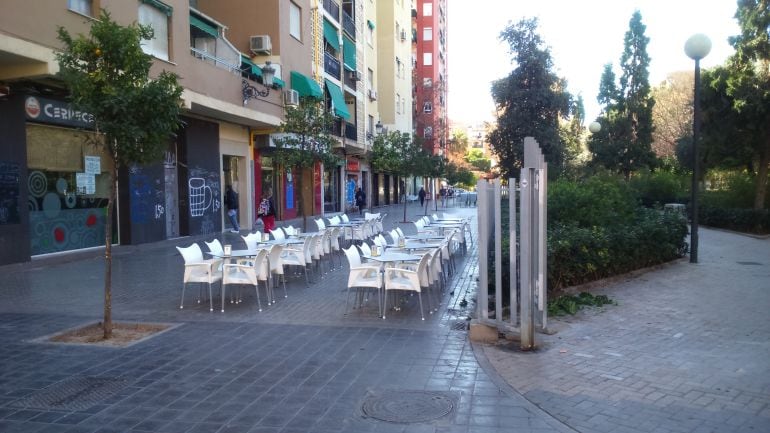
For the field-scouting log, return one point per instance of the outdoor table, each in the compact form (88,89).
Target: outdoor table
(424,237)
(415,245)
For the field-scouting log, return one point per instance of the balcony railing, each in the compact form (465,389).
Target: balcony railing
(348,25)
(216,61)
(332,65)
(351,132)
(333,8)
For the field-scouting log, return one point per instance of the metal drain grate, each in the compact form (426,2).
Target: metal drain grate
(461,325)
(408,406)
(78,393)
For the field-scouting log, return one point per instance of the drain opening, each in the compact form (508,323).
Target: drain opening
(408,407)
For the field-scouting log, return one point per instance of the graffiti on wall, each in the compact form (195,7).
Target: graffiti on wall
(9,193)
(204,198)
(147,196)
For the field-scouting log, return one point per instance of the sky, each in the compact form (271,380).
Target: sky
(583,36)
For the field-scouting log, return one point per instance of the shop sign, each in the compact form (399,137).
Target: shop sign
(46,110)
(353,165)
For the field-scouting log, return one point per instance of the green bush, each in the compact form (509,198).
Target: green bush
(744,220)
(654,189)
(598,201)
(729,190)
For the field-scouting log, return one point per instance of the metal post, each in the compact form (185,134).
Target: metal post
(512,252)
(695,174)
(527,322)
(498,252)
(483,240)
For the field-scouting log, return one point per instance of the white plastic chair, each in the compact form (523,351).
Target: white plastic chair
(394,236)
(320,223)
(278,234)
(215,246)
(252,240)
(296,257)
(276,268)
(290,231)
(366,250)
(362,277)
(199,270)
(248,274)
(345,218)
(402,279)
(400,232)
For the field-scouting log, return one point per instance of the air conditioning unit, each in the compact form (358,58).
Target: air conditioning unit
(260,44)
(372,94)
(403,35)
(291,97)
(355,76)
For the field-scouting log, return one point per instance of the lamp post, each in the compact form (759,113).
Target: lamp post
(595,127)
(697,47)
(251,92)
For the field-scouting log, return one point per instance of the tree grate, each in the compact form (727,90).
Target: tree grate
(75,394)
(408,407)
(461,325)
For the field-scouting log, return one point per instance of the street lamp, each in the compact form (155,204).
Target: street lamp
(251,92)
(595,127)
(378,127)
(696,48)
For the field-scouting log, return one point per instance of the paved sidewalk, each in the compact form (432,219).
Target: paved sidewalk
(687,349)
(300,365)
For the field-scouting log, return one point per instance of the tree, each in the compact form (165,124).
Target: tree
(396,153)
(529,101)
(458,143)
(477,160)
(572,133)
(306,141)
(107,74)
(625,142)
(672,114)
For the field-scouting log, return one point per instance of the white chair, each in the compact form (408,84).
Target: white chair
(362,277)
(290,231)
(276,269)
(215,247)
(366,250)
(334,220)
(345,218)
(334,241)
(381,242)
(297,257)
(394,236)
(400,232)
(278,234)
(320,223)
(378,227)
(252,240)
(247,274)
(405,280)
(199,270)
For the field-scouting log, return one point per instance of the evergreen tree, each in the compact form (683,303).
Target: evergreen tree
(625,142)
(530,101)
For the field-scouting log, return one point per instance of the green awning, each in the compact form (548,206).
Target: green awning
(338,101)
(249,67)
(166,9)
(349,53)
(277,82)
(330,34)
(305,85)
(204,26)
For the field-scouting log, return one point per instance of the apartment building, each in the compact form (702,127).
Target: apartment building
(430,73)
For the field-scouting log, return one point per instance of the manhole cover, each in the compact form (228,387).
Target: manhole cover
(461,325)
(750,263)
(78,393)
(408,406)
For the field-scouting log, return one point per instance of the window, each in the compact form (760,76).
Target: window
(427,107)
(427,9)
(370,126)
(399,67)
(156,15)
(295,21)
(427,34)
(369,79)
(398,30)
(427,59)
(398,103)
(83,7)
(427,82)
(370,36)
(428,132)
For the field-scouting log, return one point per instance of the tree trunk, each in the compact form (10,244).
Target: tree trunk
(300,207)
(405,202)
(762,170)
(107,323)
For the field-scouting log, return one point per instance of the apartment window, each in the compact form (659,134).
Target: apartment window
(369,79)
(156,15)
(370,36)
(427,82)
(398,30)
(295,21)
(83,7)
(427,59)
(427,34)
(427,107)
(427,9)
(398,103)
(398,67)
(428,132)
(370,125)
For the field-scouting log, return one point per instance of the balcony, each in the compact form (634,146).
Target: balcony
(219,62)
(348,25)
(332,65)
(333,8)
(351,132)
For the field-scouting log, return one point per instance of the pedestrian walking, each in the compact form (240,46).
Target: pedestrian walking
(421,195)
(266,210)
(231,202)
(360,200)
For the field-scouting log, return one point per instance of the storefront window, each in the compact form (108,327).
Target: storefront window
(331,190)
(69,184)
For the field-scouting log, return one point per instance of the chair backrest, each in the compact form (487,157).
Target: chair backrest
(345,218)
(307,249)
(335,239)
(434,216)
(215,246)
(381,241)
(365,249)
(316,247)
(251,240)
(275,258)
(335,219)
(418,225)
(327,241)
(260,264)
(290,231)
(191,254)
(422,270)
(320,223)
(394,235)
(354,259)
(278,234)
(400,232)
